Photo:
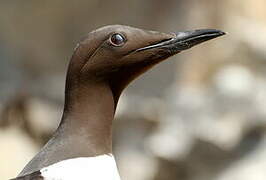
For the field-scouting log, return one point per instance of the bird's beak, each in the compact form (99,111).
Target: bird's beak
(184,40)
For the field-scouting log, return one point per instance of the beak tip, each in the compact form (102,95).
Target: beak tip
(211,32)
(221,33)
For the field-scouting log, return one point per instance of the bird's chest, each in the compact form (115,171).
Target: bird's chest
(85,168)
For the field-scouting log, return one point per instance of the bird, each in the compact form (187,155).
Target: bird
(103,63)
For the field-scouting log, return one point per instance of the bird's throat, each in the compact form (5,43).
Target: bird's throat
(89,116)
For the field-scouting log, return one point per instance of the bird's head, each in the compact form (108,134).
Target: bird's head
(117,54)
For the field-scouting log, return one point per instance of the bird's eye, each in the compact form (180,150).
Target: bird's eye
(117,39)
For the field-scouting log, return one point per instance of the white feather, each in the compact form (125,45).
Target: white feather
(101,167)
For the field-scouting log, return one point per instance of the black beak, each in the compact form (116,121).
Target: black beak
(185,40)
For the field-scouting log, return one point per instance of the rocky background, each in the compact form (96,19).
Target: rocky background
(201,115)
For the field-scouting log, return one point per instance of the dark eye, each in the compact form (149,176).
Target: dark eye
(117,39)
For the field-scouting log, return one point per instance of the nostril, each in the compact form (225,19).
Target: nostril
(164,40)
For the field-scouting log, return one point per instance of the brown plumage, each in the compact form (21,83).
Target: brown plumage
(102,65)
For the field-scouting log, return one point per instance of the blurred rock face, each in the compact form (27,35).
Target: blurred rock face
(204,117)
(16,150)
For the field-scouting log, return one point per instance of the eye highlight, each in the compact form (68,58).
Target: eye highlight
(117,39)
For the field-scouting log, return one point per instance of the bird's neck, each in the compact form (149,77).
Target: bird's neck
(87,118)
(85,129)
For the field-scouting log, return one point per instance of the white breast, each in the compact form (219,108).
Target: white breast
(101,167)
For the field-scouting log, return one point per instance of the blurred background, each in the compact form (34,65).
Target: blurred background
(200,115)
